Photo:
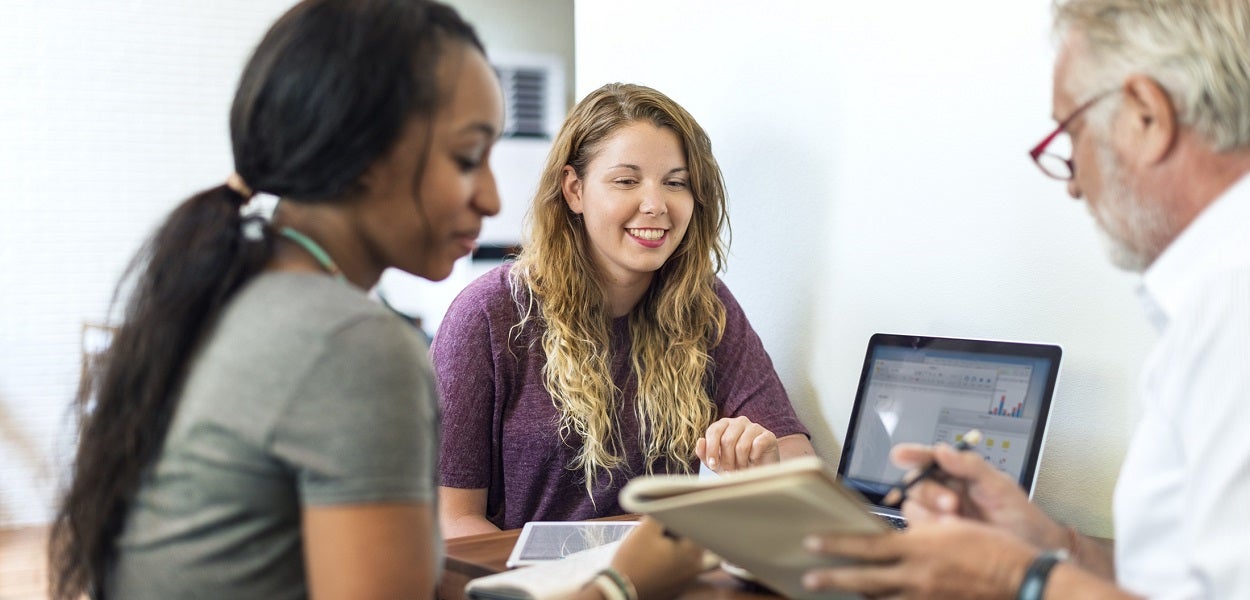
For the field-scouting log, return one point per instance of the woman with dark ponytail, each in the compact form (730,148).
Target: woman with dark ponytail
(259,427)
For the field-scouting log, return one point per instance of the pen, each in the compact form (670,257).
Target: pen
(896,494)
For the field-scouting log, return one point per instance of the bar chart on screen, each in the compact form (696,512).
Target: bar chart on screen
(1002,409)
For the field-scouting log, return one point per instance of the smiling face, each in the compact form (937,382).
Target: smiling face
(635,201)
(424,219)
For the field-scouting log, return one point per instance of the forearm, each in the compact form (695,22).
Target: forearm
(1068,582)
(793,446)
(460,526)
(462,511)
(1093,555)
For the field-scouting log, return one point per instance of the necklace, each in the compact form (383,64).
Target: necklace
(317,252)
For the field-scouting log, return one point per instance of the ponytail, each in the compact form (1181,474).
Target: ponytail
(189,269)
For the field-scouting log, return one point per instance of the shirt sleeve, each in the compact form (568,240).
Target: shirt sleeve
(465,370)
(363,425)
(745,382)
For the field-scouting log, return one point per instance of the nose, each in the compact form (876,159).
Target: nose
(1074,190)
(653,203)
(486,200)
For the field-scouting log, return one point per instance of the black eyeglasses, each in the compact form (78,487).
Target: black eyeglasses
(1055,165)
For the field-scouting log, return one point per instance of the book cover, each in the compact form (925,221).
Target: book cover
(757,518)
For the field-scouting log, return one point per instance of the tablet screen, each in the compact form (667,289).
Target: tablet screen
(543,541)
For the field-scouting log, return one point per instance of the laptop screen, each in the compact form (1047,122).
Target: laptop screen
(927,390)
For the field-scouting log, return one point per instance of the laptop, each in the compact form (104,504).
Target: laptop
(930,389)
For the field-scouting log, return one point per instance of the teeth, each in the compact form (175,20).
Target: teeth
(647,234)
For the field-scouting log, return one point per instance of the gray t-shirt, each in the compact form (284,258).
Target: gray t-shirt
(305,393)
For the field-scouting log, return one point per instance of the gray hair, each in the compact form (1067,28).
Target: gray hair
(1197,50)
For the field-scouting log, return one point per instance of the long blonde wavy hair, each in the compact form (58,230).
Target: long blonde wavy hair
(674,326)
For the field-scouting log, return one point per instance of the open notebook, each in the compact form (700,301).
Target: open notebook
(931,389)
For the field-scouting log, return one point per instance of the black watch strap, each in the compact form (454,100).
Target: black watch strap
(1034,584)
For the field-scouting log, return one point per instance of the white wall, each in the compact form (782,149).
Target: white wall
(876,157)
(112,112)
(875,154)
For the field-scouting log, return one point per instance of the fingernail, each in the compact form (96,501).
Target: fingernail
(812,543)
(711,463)
(810,581)
(946,503)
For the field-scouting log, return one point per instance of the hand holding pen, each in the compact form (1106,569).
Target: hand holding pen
(899,492)
(970,487)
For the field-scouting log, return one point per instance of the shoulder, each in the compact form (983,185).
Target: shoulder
(357,348)
(353,337)
(1215,306)
(722,292)
(735,317)
(491,292)
(1214,314)
(277,312)
(483,312)
(300,296)
(1199,352)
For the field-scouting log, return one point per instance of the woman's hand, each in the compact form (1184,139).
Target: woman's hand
(658,565)
(737,443)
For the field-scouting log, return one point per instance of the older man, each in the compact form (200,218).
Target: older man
(1154,96)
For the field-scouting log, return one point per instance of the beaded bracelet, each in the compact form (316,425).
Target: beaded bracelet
(608,587)
(614,585)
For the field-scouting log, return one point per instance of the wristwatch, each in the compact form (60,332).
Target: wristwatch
(1034,584)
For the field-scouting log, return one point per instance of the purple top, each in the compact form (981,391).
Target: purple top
(500,428)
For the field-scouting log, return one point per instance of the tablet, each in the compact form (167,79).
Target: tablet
(543,541)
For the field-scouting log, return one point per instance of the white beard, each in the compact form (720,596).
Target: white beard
(1135,228)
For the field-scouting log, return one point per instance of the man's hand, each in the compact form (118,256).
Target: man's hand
(971,488)
(947,558)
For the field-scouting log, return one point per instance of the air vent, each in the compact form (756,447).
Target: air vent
(533,87)
(525,92)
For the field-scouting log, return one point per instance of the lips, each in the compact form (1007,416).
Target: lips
(467,241)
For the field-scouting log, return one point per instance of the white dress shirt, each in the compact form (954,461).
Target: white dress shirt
(1182,502)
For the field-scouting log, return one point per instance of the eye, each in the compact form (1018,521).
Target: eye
(467,163)
(625,181)
(678,184)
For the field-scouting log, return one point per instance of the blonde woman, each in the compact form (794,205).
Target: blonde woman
(609,348)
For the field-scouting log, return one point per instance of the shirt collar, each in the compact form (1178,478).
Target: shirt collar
(1213,242)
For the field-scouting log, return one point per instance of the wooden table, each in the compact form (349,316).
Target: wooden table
(474,556)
